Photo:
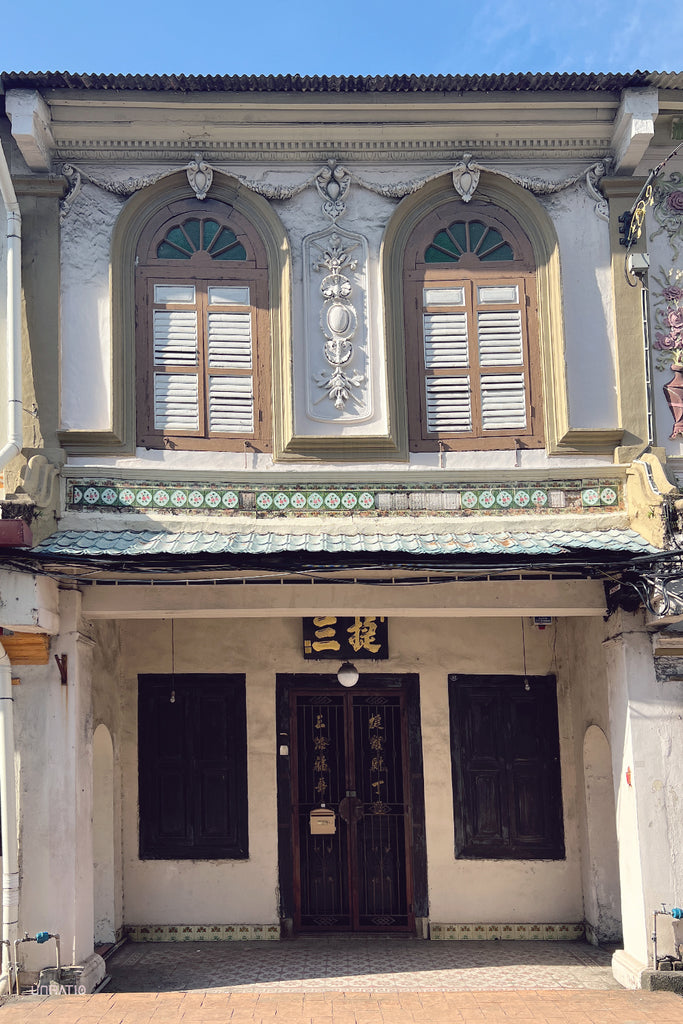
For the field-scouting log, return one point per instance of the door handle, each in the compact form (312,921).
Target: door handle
(351,809)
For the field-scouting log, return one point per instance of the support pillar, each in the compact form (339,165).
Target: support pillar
(57,841)
(646,737)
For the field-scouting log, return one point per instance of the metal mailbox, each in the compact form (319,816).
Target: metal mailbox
(323,821)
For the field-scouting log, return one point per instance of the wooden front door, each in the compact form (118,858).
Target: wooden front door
(350,757)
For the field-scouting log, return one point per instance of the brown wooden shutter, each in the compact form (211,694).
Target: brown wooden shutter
(506,767)
(192,767)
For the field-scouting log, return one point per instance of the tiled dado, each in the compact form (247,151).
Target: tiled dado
(572,496)
(545,932)
(201,932)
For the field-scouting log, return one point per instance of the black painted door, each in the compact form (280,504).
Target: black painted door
(350,758)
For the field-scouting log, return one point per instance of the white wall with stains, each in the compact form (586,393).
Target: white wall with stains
(224,892)
(86,331)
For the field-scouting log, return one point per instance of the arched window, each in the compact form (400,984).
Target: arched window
(471,344)
(202,330)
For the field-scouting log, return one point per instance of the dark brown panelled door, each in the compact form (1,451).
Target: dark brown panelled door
(351,759)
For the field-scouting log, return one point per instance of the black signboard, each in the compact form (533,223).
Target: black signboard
(342,637)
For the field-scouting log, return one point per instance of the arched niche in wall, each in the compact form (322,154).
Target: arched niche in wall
(602,899)
(104,912)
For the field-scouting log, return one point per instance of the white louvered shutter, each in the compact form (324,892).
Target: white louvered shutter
(230,356)
(231,404)
(503,401)
(449,407)
(176,347)
(501,344)
(479,346)
(445,340)
(176,402)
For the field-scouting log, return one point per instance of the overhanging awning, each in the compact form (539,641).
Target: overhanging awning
(145,544)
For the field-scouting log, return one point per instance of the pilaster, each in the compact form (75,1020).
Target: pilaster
(646,733)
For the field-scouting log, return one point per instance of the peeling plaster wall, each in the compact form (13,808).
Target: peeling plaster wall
(646,735)
(205,892)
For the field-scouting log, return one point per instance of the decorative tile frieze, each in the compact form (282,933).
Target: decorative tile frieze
(544,932)
(202,932)
(321,499)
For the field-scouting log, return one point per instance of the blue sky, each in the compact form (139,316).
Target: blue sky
(344,37)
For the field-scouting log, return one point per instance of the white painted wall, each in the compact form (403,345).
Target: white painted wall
(646,734)
(205,892)
(86,328)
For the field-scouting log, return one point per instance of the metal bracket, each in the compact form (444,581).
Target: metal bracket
(62,666)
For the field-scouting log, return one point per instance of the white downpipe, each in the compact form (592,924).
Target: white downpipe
(12,447)
(8,820)
(14,441)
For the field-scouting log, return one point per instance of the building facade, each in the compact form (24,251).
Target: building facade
(312,373)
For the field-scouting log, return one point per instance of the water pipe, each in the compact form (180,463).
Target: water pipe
(39,937)
(677,915)
(8,821)
(14,439)
(11,447)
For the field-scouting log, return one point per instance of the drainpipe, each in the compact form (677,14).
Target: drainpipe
(14,441)
(8,820)
(12,447)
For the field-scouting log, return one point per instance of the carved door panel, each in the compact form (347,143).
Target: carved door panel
(351,758)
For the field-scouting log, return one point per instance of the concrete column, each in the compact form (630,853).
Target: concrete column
(646,737)
(57,842)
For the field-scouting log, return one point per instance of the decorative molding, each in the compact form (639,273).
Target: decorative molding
(202,932)
(282,498)
(588,441)
(634,127)
(466,173)
(200,176)
(333,182)
(405,150)
(668,210)
(31,121)
(95,442)
(466,177)
(339,318)
(524,932)
(40,187)
(40,477)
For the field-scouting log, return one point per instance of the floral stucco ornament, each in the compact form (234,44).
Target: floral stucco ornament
(668,209)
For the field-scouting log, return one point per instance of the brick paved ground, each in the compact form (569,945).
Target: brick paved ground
(358,981)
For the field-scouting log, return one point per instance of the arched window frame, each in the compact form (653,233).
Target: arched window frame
(136,213)
(240,386)
(539,229)
(466,387)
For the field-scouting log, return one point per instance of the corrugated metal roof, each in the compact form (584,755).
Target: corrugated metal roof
(140,544)
(517,82)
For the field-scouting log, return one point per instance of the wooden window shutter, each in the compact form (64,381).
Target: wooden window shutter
(192,767)
(505,759)
(472,370)
(203,334)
